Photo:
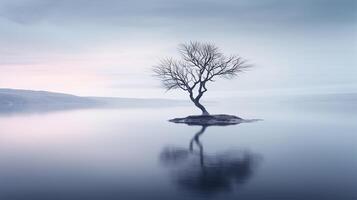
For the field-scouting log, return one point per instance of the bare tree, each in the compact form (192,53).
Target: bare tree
(200,63)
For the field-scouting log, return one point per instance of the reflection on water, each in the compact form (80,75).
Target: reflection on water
(208,174)
(309,152)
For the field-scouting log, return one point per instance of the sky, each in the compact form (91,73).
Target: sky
(108,47)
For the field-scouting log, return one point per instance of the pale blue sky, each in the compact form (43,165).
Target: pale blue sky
(107,47)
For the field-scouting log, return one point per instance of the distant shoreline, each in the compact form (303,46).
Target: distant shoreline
(17,100)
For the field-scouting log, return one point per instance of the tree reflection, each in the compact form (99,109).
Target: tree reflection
(194,170)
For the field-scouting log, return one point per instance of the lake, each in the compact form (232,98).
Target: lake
(304,148)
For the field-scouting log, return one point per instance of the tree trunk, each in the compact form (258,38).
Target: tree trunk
(201,107)
(197,103)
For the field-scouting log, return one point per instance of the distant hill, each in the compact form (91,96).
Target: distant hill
(14,100)
(19,100)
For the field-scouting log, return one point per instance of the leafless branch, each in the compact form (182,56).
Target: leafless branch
(200,63)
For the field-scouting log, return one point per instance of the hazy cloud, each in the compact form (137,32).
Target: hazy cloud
(151,12)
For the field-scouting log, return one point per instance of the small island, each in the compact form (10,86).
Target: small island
(211,120)
(207,120)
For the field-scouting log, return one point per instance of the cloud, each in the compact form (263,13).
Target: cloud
(163,12)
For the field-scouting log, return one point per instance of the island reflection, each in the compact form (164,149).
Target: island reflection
(194,170)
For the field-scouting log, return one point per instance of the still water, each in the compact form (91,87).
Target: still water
(304,150)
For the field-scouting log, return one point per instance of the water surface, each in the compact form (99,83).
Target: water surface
(304,149)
